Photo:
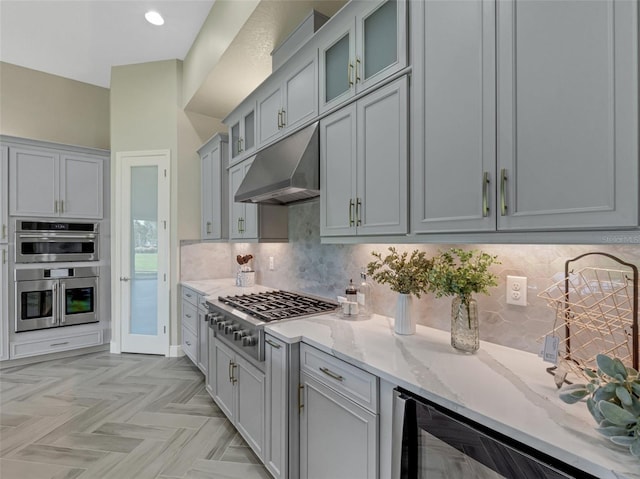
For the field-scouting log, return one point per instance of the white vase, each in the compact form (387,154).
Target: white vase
(404,323)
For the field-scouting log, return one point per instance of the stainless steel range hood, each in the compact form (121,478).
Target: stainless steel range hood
(285,172)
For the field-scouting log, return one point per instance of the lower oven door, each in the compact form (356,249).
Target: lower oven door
(78,301)
(432,442)
(37,305)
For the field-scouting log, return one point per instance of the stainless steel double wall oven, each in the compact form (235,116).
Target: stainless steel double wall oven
(56,294)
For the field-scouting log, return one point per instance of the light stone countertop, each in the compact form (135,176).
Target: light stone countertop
(502,388)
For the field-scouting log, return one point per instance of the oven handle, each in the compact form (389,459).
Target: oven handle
(54,310)
(63,302)
(57,236)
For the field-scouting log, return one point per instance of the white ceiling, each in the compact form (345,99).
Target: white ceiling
(83,39)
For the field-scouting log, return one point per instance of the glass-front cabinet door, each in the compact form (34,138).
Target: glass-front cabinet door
(368,45)
(242,125)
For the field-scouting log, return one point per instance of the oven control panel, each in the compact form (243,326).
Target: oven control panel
(237,333)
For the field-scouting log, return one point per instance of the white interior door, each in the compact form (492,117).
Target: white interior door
(143,181)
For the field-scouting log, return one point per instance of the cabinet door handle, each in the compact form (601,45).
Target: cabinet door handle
(350,74)
(358,210)
(485,194)
(351,205)
(208,227)
(272,344)
(240,145)
(280,122)
(300,404)
(4,256)
(232,377)
(503,192)
(61,206)
(230,372)
(357,70)
(331,374)
(284,118)
(55,206)
(59,344)
(4,231)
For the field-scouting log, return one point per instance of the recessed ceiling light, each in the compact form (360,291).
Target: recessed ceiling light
(154,18)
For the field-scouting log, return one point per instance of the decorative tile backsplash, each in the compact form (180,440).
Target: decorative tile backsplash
(304,264)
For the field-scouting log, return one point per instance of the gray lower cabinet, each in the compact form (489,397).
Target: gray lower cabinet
(363,165)
(195,329)
(338,418)
(239,391)
(4,302)
(278,407)
(538,131)
(4,194)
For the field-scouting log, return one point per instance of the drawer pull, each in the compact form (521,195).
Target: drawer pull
(60,344)
(187,295)
(332,374)
(188,343)
(272,344)
(188,316)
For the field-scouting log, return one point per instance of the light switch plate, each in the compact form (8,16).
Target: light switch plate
(517,290)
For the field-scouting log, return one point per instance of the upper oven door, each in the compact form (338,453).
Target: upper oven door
(51,247)
(37,305)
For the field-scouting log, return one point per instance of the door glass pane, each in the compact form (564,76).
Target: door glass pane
(36,304)
(380,39)
(144,251)
(235,137)
(336,62)
(249,135)
(79,300)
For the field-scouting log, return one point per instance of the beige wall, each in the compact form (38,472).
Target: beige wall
(47,107)
(146,114)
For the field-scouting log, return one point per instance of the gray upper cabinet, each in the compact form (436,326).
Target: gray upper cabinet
(453,125)
(363,44)
(55,183)
(242,131)
(243,217)
(214,184)
(537,131)
(288,98)
(567,114)
(363,165)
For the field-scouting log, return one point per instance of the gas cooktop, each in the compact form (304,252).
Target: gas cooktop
(275,305)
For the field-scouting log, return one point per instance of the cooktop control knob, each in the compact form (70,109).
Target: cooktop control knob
(230,328)
(249,341)
(238,335)
(222,325)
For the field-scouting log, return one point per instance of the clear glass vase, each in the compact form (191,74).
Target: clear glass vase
(464,325)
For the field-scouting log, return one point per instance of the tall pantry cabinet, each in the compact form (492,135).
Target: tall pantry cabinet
(566,116)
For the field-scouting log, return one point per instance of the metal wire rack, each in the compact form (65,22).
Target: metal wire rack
(596,313)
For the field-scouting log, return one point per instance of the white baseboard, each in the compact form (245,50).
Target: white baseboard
(175,351)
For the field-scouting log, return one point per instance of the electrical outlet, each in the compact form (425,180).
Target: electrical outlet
(271,263)
(517,290)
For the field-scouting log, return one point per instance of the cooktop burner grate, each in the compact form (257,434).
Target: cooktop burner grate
(275,305)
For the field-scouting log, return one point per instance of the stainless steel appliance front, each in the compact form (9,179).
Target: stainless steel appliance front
(432,442)
(48,241)
(50,298)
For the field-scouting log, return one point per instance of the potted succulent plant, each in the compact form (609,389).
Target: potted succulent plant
(613,399)
(406,275)
(460,274)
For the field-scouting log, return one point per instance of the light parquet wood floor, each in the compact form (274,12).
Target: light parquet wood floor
(108,416)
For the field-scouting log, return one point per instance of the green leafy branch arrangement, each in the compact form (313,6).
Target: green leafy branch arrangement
(403,273)
(461,273)
(613,400)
